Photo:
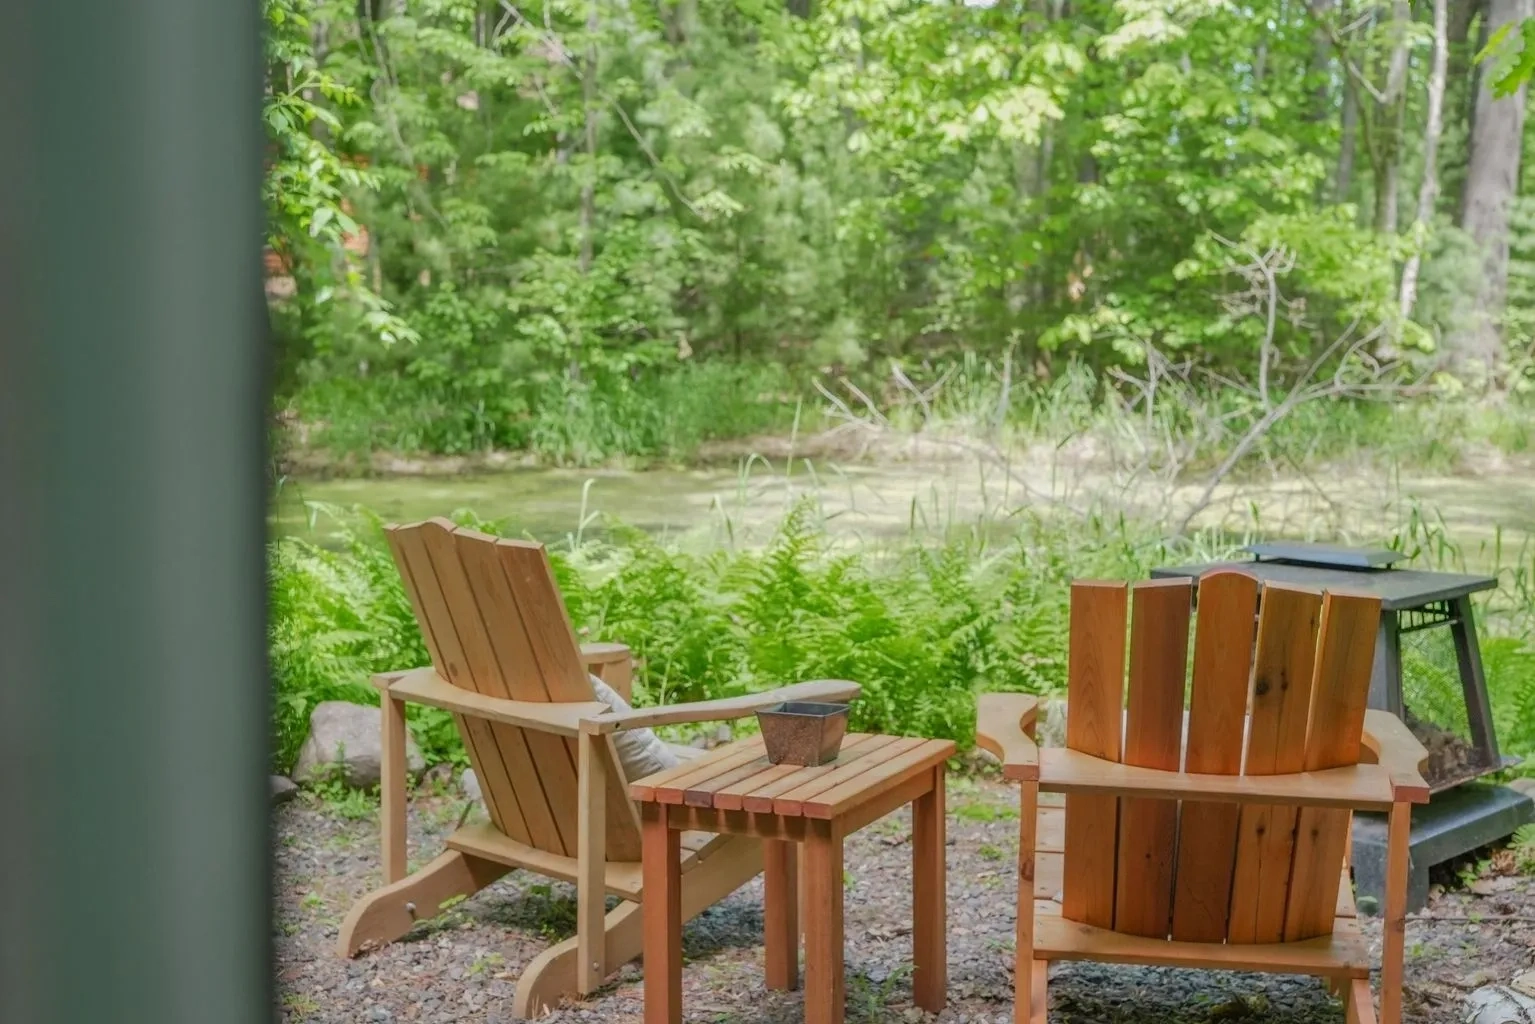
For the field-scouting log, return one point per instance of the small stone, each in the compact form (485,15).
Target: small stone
(1476,979)
(378,1013)
(1493,886)
(283,789)
(469,784)
(439,775)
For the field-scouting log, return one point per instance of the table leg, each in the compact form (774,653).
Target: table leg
(780,912)
(662,917)
(930,979)
(823,924)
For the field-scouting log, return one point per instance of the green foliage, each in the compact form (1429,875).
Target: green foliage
(306,186)
(922,624)
(572,205)
(337,617)
(1524,849)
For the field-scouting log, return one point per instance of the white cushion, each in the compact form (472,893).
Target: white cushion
(640,751)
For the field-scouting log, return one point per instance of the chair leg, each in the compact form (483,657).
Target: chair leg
(1023,951)
(1394,927)
(392,789)
(551,976)
(388,913)
(1361,1005)
(1039,997)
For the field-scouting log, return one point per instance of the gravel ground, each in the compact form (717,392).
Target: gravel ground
(462,967)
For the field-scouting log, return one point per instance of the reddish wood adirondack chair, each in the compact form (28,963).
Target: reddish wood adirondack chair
(506,663)
(1179,843)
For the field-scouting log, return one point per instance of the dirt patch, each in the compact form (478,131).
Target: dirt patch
(463,966)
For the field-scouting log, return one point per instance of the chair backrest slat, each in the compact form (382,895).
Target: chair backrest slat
(553,642)
(414,563)
(1345,658)
(523,754)
(495,625)
(1282,674)
(1095,697)
(1207,831)
(1148,828)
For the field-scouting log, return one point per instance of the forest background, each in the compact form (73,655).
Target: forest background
(1178,240)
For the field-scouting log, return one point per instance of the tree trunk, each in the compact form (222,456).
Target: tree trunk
(1393,111)
(1348,140)
(1460,98)
(1492,180)
(1321,63)
(589,99)
(1428,190)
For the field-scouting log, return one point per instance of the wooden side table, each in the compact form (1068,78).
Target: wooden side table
(735,790)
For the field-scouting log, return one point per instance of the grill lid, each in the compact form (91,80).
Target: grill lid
(1330,556)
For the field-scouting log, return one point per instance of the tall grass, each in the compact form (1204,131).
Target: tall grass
(655,415)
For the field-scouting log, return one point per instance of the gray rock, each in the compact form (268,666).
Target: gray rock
(1498,1004)
(1523,785)
(283,789)
(470,784)
(1050,727)
(347,736)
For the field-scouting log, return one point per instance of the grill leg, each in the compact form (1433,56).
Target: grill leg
(1386,676)
(1473,682)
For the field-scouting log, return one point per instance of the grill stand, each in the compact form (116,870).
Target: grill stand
(1453,823)
(1459,819)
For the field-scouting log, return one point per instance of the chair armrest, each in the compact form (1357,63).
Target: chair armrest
(384,680)
(837,690)
(425,686)
(605,653)
(613,664)
(1364,787)
(1389,743)
(1004,726)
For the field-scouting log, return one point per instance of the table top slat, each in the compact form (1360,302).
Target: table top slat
(791,803)
(732,797)
(702,794)
(761,799)
(720,761)
(840,799)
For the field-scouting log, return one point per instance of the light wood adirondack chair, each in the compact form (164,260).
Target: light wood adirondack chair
(506,663)
(1218,836)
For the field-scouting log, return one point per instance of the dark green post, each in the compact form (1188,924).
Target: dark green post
(133,843)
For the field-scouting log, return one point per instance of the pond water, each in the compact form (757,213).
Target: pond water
(709,505)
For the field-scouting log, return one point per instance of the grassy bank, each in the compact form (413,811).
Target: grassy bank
(652,415)
(1178,427)
(923,623)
